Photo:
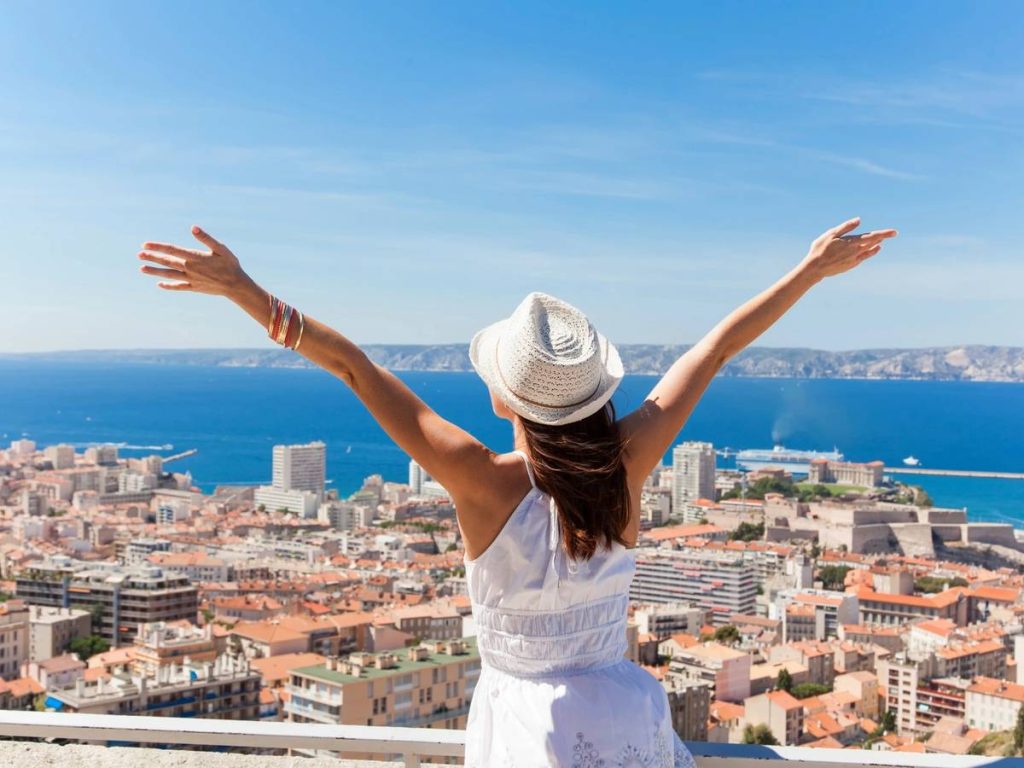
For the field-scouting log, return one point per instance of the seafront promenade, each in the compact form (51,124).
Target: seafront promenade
(955,473)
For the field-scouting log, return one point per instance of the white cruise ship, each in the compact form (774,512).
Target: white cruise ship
(794,461)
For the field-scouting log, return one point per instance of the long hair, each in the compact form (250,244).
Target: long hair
(580,465)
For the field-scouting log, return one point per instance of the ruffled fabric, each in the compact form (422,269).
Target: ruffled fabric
(531,644)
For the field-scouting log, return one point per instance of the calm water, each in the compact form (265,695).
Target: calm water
(235,415)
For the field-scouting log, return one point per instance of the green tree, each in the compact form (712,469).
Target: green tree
(833,576)
(748,532)
(759,734)
(888,723)
(88,646)
(784,682)
(727,635)
(806,690)
(453,547)
(1018,732)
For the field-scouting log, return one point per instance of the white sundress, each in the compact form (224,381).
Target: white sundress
(555,690)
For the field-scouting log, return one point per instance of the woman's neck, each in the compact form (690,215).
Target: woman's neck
(519,437)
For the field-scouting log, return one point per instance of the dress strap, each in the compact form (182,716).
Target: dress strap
(529,469)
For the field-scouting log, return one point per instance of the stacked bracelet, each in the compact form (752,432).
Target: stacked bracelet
(281,327)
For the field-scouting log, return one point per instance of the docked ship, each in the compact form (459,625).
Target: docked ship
(793,461)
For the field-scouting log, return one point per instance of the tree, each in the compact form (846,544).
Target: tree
(1018,732)
(888,723)
(748,532)
(806,690)
(88,645)
(727,635)
(833,576)
(759,734)
(784,682)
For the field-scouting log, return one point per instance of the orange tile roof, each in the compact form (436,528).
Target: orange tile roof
(22,686)
(997,594)
(274,669)
(784,699)
(1002,689)
(725,710)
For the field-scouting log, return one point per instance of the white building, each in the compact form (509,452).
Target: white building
(301,503)
(693,473)
(22,449)
(300,467)
(993,704)
(416,477)
(61,456)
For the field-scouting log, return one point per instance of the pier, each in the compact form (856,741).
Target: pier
(955,473)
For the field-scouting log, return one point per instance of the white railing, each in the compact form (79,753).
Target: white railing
(414,743)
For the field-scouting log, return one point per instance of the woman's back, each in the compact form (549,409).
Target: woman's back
(556,688)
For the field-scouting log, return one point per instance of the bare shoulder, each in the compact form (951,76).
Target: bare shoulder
(483,513)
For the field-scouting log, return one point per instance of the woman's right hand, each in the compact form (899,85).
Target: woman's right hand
(216,272)
(836,251)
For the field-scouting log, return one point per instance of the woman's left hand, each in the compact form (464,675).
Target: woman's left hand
(215,272)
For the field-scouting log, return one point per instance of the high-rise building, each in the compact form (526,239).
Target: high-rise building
(693,473)
(416,477)
(300,467)
(61,456)
(298,482)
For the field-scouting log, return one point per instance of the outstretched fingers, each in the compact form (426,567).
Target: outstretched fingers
(175,286)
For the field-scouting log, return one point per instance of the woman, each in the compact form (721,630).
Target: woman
(548,529)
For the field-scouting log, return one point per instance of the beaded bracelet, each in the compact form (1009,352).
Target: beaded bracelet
(283,318)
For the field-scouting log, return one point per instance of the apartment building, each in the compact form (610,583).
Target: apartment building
(689,702)
(813,614)
(226,689)
(693,473)
(165,643)
(780,711)
(429,685)
(120,599)
(14,637)
(727,671)
(666,619)
(994,704)
(50,630)
(720,583)
(895,609)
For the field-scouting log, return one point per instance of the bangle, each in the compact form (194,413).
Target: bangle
(282,320)
(302,327)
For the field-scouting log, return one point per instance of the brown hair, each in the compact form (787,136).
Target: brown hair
(580,465)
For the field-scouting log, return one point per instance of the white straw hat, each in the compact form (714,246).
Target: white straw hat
(546,361)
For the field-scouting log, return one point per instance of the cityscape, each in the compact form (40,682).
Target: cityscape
(815,602)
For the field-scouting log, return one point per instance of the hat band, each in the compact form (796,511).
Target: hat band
(497,366)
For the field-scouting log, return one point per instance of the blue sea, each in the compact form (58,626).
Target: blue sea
(234,416)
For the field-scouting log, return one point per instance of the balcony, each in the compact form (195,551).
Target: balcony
(409,745)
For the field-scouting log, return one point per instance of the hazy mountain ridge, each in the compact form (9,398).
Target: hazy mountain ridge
(963,363)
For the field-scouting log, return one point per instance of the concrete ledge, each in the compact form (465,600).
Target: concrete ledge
(40,755)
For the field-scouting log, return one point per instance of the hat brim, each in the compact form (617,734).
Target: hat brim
(483,355)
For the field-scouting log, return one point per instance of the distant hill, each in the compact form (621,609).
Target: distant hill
(967,363)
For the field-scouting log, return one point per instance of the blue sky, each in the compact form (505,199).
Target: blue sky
(408,171)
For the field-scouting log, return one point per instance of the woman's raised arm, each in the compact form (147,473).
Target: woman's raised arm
(652,428)
(448,453)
